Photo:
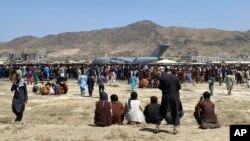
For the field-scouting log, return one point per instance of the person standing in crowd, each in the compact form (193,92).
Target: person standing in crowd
(100,82)
(188,76)
(79,72)
(91,83)
(205,114)
(20,97)
(62,71)
(211,81)
(229,81)
(170,104)
(248,78)
(46,72)
(18,71)
(1,72)
(112,75)
(12,73)
(29,77)
(197,75)
(35,75)
(202,75)
(82,81)
(133,82)
(220,76)
(239,76)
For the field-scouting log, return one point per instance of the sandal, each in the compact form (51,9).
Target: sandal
(175,131)
(156,130)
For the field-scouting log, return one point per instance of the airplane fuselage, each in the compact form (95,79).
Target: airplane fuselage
(126,60)
(154,56)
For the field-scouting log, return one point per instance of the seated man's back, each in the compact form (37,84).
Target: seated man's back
(152,111)
(103,111)
(205,114)
(117,110)
(143,83)
(207,111)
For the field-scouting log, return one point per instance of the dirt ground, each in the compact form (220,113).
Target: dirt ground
(70,117)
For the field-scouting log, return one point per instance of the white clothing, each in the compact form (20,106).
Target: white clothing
(51,91)
(134,112)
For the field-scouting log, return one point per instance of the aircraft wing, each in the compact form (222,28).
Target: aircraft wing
(125,59)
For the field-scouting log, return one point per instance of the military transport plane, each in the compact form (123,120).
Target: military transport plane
(154,56)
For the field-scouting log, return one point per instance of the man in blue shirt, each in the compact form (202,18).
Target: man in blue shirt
(83,83)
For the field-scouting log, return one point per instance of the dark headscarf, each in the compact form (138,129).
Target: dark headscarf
(103,96)
(133,96)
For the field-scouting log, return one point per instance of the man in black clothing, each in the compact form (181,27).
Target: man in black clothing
(171,107)
(151,111)
(20,97)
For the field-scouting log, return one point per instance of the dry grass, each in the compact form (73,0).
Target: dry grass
(70,117)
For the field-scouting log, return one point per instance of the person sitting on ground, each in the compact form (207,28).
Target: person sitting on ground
(52,89)
(117,110)
(205,114)
(152,111)
(133,111)
(37,87)
(63,86)
(57,89)
(143,83)
(46,89)
(103,116)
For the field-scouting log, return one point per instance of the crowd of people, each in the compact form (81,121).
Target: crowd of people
(143,76)
(170,109)
(58,88)
(167,78)
(146,75)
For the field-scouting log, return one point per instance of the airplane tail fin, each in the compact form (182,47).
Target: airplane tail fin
(159,50)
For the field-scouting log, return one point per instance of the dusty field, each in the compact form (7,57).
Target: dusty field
(70,117)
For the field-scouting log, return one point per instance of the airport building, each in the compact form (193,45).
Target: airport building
(27,57)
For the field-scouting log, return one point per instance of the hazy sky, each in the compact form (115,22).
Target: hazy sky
(42,17)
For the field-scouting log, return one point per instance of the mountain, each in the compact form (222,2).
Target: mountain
(136,39)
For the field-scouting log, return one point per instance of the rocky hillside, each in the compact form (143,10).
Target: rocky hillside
(139,38)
